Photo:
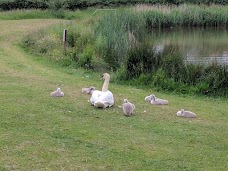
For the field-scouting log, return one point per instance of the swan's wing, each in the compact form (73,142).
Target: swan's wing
(103,97)
(106,96)
(95,96)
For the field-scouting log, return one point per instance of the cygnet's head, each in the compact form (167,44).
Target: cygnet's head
(125,101)
(148,98)
(92,88)
(152,96)
(180,113)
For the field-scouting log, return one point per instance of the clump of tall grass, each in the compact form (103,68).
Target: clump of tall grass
(119,32)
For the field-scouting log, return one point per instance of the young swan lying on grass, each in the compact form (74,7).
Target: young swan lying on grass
(186,114)
(88,90)
(57,93)
(154,100)
(128,108)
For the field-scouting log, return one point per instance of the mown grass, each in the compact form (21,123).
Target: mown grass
(38,132)
(45,14)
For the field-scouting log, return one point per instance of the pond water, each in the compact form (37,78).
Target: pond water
(199,45)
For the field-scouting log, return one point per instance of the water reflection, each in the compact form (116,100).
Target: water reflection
(201,45)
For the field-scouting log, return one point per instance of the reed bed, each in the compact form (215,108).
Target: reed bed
(125,34)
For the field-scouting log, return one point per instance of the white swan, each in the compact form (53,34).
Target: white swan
(57,93)
(128,108)
(186,114)
(88,90)
(104,98)
(154,100)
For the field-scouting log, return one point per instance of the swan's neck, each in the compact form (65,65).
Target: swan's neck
(105,85)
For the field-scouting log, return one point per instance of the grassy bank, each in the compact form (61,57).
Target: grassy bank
(38,132)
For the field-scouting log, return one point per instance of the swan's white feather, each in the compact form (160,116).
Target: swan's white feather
(102,97)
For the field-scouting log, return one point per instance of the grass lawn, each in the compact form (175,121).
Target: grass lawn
(38,132)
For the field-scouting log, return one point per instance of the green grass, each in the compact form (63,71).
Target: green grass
(38,132)
(44,14)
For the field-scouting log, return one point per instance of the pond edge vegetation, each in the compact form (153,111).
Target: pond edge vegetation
(117,42)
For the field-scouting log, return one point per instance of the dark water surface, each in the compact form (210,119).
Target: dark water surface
(199,45)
